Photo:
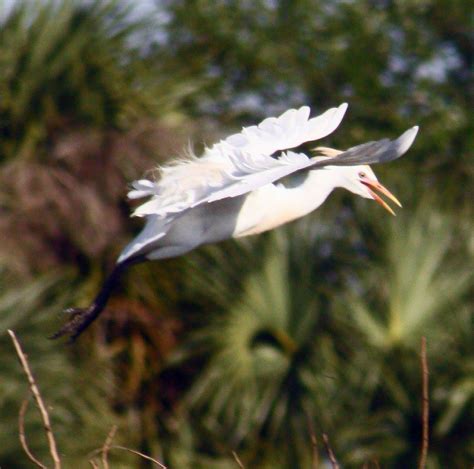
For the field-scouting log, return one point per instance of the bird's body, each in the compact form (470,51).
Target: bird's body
(252,213)
(249,183)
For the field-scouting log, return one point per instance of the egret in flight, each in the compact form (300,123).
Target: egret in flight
(250,182)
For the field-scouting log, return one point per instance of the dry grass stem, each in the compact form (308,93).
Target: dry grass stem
(425,409)
(133,451)
(314,445)
(237,460)
(39,401)
(21,431)
(106,447)
(144,456)
(332,458)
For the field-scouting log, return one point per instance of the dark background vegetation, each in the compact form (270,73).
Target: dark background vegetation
(247,345)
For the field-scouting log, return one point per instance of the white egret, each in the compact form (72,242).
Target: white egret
(250,182)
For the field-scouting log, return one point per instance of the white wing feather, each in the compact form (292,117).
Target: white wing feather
(290,130)
(234,160)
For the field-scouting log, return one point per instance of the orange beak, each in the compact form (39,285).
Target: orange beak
(376,186)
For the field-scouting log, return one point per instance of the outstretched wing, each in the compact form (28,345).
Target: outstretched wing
(380,151)
(249,172)
(190,182)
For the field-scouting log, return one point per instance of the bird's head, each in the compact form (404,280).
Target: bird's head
(361,180)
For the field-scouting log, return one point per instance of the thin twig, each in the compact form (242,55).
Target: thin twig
(21,431)
(237,460)
(425,410)
(332,458)
(93,464)
(39,401)
(144,456)
(106,447)
(314,445)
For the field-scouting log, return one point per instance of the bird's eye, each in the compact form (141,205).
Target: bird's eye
(362,174)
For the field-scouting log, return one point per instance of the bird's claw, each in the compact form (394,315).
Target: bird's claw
(74,311)
(79,320)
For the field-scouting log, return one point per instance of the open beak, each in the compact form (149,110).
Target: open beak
(376,186)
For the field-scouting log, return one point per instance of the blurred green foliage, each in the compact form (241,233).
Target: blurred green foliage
(29,310)
(247,345)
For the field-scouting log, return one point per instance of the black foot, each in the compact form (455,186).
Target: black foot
(80,319)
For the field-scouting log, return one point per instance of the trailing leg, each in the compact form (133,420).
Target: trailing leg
(81,318)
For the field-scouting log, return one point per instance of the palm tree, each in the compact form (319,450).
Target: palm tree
(425,292)
(282,348)
(265,312)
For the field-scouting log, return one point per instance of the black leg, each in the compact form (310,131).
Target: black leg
(81,318)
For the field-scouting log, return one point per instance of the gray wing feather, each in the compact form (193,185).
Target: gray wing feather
(380,151)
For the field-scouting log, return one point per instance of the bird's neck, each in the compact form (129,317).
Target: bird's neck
(275,205)
(313,190)
(318,185)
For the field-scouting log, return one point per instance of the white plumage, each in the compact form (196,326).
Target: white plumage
(248,183)
(194,180)
(245,163)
